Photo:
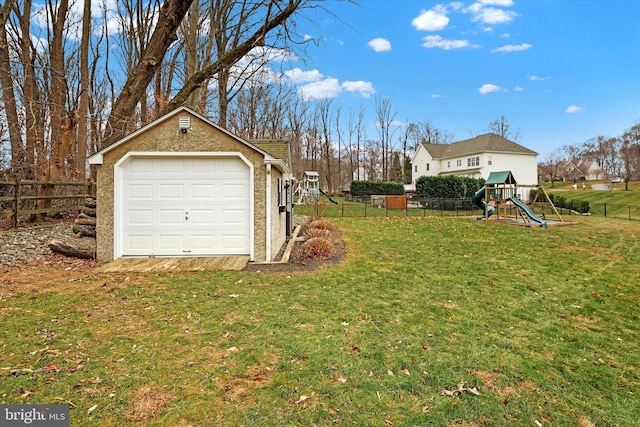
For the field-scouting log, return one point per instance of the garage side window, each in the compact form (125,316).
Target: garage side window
(280,193)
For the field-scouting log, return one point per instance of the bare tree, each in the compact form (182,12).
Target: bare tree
(630,154)
(357,135)
(501,127)
(386,116)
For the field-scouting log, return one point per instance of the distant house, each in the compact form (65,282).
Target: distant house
(580,170)
(476,158)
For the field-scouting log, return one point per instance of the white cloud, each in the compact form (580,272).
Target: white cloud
(296,75)
(518,89)
(574,109)
(431,20)
(327,88)
(505,35)
(436,95)
(308,37)
(492,15)
(331,88)
(438,41)
(380,45)
(501,3)
(512,48)
(365,89)
(488,88)
(538,78)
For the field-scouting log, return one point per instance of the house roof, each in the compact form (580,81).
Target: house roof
(278,149)
(501,177)
(487,143)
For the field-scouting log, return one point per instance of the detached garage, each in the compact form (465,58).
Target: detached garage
(183,186)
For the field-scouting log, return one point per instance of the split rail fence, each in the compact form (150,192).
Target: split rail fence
(18,199)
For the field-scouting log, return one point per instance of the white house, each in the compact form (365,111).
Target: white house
(476,158)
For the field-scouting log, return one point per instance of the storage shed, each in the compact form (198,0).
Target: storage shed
(183,186)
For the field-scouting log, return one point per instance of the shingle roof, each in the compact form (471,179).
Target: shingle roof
(278,149)
(487,143)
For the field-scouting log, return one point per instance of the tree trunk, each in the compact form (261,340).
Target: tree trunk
(232,56)
(83,121)
(169,19)
(8,97)
(78,248)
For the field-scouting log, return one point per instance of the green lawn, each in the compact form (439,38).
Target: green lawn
(429,321)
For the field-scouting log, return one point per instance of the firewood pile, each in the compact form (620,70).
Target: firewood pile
(83,244)
(85,224)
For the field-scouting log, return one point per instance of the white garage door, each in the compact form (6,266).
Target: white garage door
(185,206)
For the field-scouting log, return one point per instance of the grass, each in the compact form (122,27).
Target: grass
(619,202)
(429,321)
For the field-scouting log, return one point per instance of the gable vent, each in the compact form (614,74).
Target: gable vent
(184,123)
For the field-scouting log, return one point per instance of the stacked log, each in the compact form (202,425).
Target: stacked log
(85,224)
(84,229)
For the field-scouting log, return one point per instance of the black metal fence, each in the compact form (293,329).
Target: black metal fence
(455,207)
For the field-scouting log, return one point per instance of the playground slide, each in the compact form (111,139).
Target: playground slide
(328,196)
(528,211)
(478,200)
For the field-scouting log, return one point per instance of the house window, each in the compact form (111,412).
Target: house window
(489,160)
(280,201)
(427,166)
(473,161)
(416,168)
(459,163)
(448,165)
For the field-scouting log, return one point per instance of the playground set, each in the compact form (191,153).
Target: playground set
(309,190)
(501,189)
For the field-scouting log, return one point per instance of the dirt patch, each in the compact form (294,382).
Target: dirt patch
(148,403)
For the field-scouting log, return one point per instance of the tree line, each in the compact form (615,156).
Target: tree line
(77,75)
(617,157)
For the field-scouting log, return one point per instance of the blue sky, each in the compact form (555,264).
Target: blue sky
(560,71)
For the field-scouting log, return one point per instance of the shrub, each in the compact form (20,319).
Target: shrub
(322,224)
(447,187)
(318,248)
(368,188)
(317,232)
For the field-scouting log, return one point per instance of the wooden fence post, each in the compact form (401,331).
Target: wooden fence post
(16,202)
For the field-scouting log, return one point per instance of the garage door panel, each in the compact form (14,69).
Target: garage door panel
(141,166)
(203,241)
(233,166)
(234,191)
(234,243)
(171,166)
(232,217)
(138,244)
(185,206)
(169,217)
(203,191)
(199,217)
(171,191)
(139,191)
(170,244)
(139,217)
(203,166)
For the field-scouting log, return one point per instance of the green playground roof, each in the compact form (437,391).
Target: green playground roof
(502,177)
